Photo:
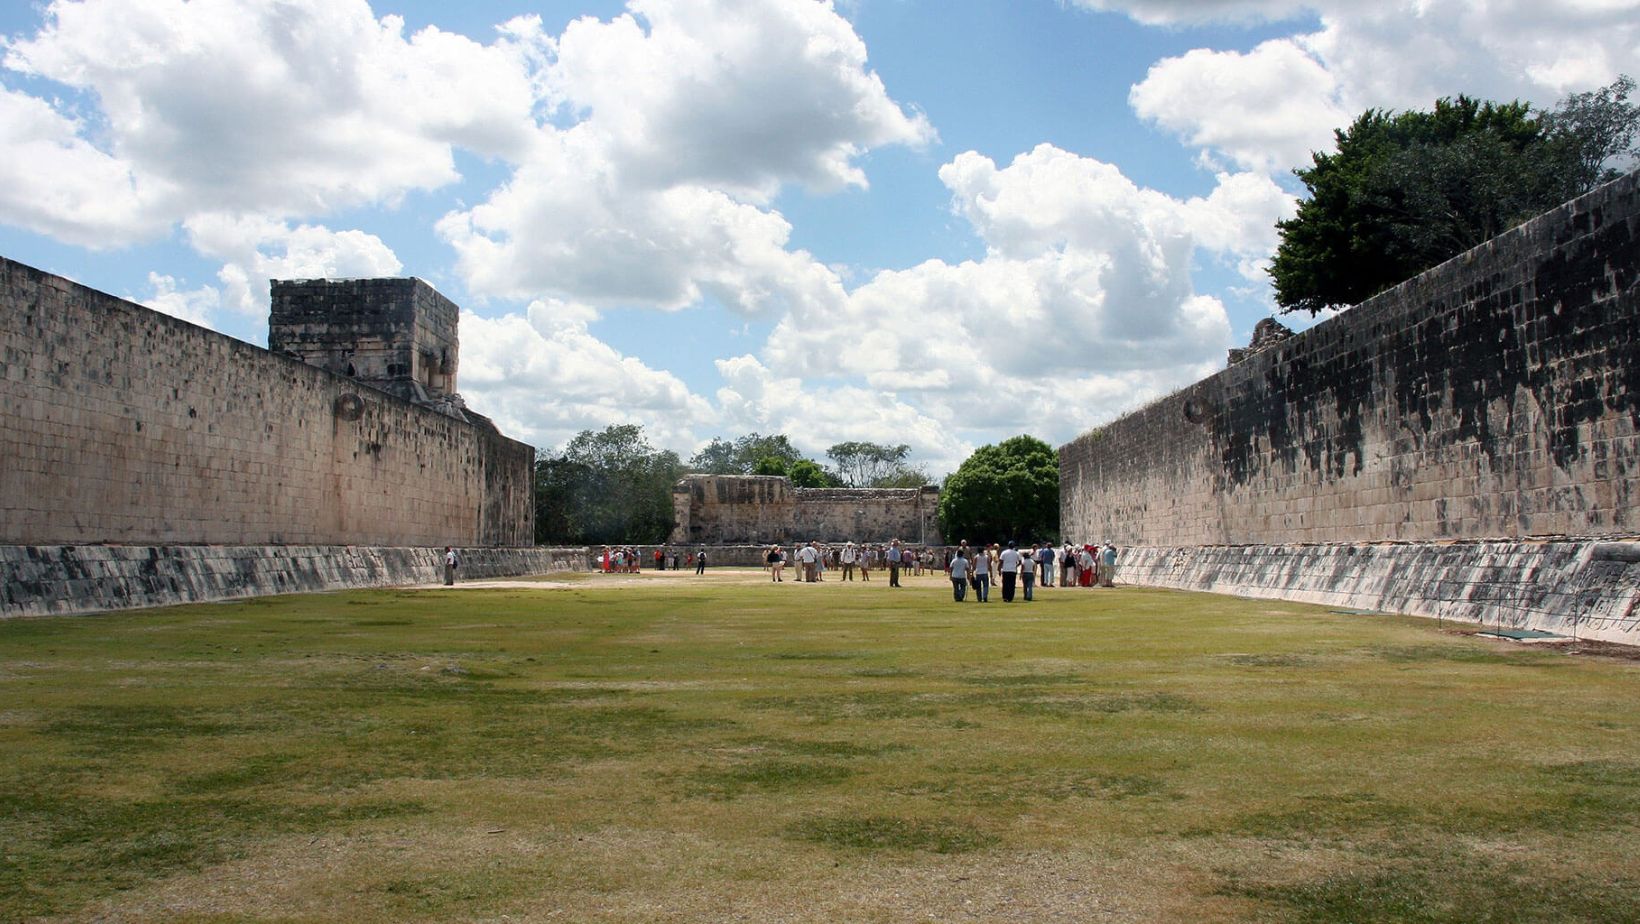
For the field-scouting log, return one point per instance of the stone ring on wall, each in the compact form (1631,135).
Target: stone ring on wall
(349,407)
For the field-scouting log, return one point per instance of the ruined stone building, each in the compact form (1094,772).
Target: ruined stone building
(1466,444)
(148,459)
(760,510)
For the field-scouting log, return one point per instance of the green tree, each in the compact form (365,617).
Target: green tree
(873,465)
(1005,492)
(807,473)
(1406,191)
(804,473)
(606,486)
(744,455)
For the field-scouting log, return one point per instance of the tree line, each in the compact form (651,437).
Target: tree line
(613,486)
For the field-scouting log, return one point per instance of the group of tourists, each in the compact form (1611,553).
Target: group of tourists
(1019,570)
(813,559)
(626,559)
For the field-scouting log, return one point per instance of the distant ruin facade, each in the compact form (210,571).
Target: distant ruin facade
(760,509)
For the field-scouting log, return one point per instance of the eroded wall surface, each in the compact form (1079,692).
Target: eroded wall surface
(122,425)
(1495,396)
(752,509)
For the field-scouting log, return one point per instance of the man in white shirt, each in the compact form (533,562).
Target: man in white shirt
(849,555)
(1009,560)
(809,556)
(959,576)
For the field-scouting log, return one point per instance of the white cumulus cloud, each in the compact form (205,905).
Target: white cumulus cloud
(1083,304)
(289,107)
(686,117)
(1267,108)
(543,378)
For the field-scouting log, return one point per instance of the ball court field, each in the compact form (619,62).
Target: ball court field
(671,748)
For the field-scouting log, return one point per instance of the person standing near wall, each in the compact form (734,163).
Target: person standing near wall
(849,554)
(452,561)
(1107,566)
(1044,560)
(700,561)
(775,560)
(808,557)
(894,557)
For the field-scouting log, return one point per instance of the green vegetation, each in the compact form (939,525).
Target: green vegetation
(1405,191)
(662,747)
(605,487)
(1002,493)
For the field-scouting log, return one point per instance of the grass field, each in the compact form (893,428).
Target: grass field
(668,748)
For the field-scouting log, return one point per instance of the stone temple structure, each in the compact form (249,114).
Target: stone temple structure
(1465,445)
(152,461)
(749,510)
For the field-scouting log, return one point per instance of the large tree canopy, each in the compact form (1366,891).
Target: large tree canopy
(749,455)
(1406,191)
(605,487)
(860,464)
(1005,492)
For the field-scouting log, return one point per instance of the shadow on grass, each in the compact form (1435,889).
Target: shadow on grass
(1451,888)
(889,832)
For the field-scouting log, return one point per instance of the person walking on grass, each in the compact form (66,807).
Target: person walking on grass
(1044,560)
(894,557)
(700,562)
(452,561)
(776,561)
(958,573)
(982,575)
(1027,572)
(1009,561)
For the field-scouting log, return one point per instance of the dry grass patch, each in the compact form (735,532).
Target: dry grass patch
(661,748)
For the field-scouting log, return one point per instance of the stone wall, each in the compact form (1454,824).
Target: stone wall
(122,425)
(1584,590)
(396,334)
(752,509)
(1495,396)
(41,580)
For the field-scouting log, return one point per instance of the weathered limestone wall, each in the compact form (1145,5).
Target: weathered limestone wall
(41,580)
(752,509)
(1582,589)
(386,332)
(120,424)
(1368,461)
(1497,395)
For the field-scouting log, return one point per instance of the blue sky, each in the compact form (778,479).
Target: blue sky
(936,223)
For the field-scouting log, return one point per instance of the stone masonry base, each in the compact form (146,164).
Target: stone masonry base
(1582,588)
(39,580)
